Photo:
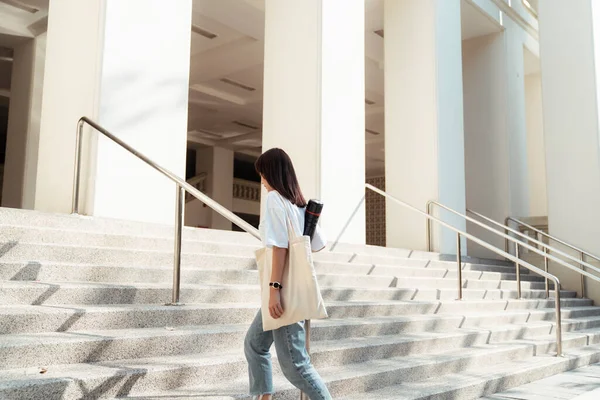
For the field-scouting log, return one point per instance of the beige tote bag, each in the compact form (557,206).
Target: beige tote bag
(300,297)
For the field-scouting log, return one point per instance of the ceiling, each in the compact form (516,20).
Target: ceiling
(226,74)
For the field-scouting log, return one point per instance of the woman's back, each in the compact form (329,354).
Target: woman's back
(273,227)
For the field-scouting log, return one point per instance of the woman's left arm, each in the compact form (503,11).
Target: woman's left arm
(275,306)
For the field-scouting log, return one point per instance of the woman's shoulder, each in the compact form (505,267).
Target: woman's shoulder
(275,200)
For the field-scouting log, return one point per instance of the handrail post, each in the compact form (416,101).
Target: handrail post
(582,258)
(506,244)
(518,270)
(459,264)
(77,173)
(179,205)
(428,227)
(546,251)
(558,319)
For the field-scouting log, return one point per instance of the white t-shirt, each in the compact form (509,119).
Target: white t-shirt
(273,227)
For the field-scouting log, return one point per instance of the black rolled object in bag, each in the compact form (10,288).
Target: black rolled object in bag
(311,217)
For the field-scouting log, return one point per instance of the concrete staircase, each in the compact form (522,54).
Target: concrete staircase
(82,317)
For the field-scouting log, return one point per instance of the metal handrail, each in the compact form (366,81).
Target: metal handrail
(539,233)
(517,244)
(546,249)
(553,238)
(181,185)
(492,248)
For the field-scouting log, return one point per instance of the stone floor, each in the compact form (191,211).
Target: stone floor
(579,384)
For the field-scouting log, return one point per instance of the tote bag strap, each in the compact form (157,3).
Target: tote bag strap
(290,227)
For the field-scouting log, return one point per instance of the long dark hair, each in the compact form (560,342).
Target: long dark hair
(277,169)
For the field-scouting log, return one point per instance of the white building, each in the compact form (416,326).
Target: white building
(489,105)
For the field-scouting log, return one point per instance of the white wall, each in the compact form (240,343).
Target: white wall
(221,185)
(197,214)
(538,205)
(246,207)
(217,163)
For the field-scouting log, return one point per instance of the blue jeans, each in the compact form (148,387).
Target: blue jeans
(290,343)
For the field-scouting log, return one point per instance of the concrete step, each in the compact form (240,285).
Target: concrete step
(224,372)
(329,347)
(372,318)
(57,293)
(329,275)
(382,261)
(59,228)
(108,226)
(401,378)
(474,383)
(37,255)
(47,318)
(578,384)
(245,273)
(74,237)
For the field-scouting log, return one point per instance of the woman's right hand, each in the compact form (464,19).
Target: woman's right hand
(275,306)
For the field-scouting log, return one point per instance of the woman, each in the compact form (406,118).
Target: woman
(284,199)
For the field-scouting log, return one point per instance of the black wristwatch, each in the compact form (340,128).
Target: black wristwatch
(276,285)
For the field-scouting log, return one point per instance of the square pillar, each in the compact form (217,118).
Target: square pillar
(424,143)
(313,107)
(102,62)
(570,65)
(497,156)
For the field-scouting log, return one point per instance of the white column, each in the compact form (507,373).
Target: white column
(496,138)
(487,168)
(538,202)
(424,141)
(143,99)
(70,91)
(514,37)
(102,61)
(570,61)
(24,123)
(314,106)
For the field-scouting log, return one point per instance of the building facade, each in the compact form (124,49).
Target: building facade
(488,105)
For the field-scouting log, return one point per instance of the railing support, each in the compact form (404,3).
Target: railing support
(428,228)
(518,270)
(77,173)
(546,251)
(459,265)
(558,318)
(179,206)
(582,258)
